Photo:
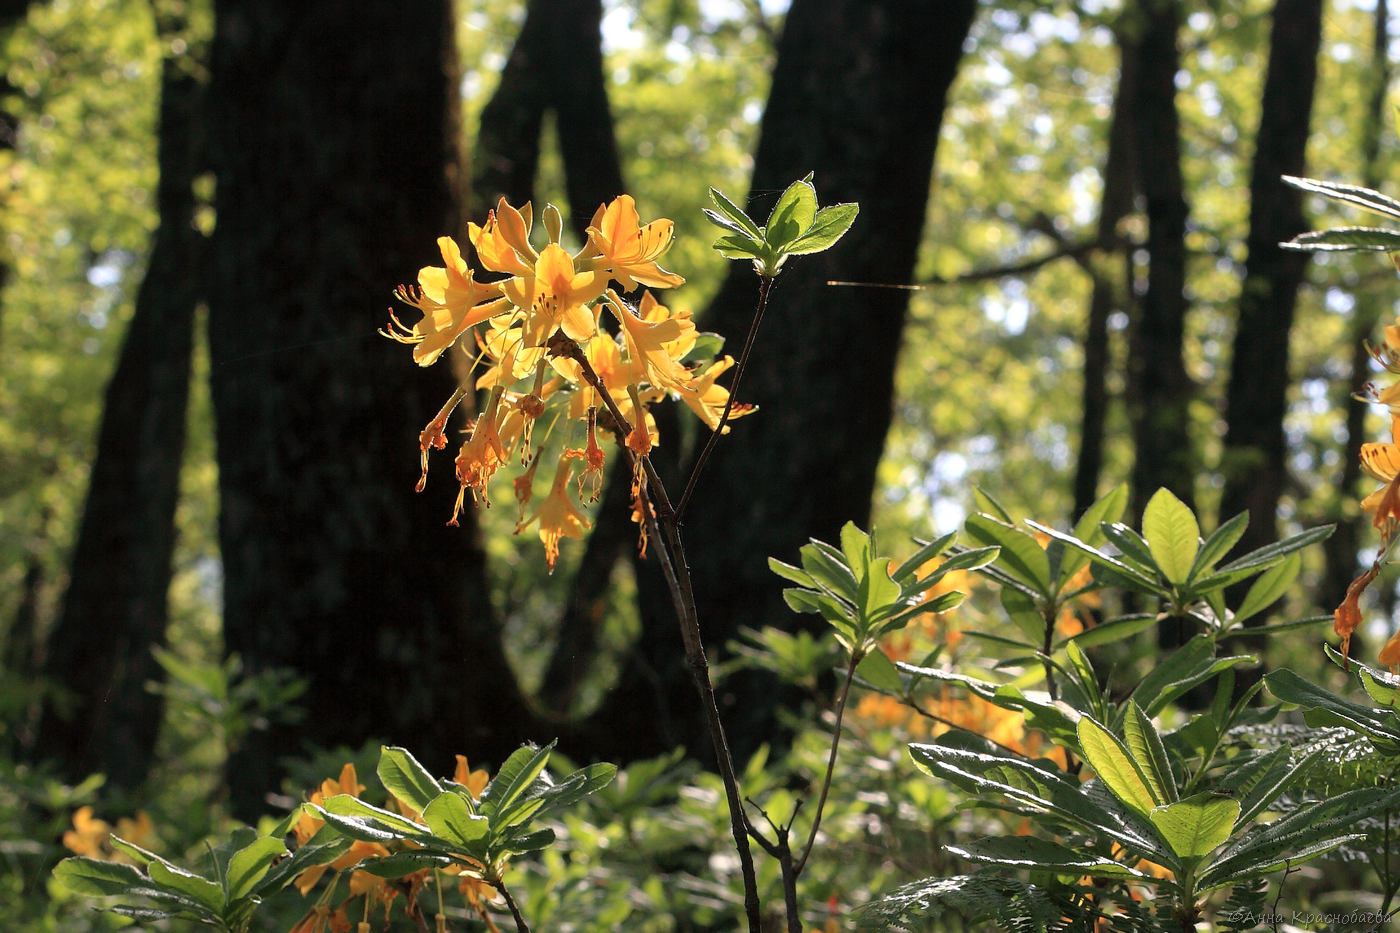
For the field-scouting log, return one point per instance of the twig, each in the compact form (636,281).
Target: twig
(520,924)
(662,526)
(765,285)
(830,767)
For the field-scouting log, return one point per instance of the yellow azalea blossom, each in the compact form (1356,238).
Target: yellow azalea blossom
(1390,654)
(503,244)
(648,342)
(649,309)
(89,834)
(556,297)
(473,781)
(1381,461)
(707,400)
(557,515)
(452,302)
(1388,353)
(630,250)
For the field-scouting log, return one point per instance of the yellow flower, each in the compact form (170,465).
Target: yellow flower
(89,834)
(557,515)
(503,244)
(452,303)
(707,400)
(630,250)
(1381,461)
(650,341)
(555,297)
(474,781)
(1390,654)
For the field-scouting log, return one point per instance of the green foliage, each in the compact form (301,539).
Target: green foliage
(860,594)
(795,227)
(240,874)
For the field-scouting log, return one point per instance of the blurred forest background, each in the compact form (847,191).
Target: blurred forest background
(1065,276)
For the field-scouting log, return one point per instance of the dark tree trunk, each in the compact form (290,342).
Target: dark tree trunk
(1254,457)
(555,65)
(99,651)
(1159,388)
(1341,549)
(1111,287)
(824,361)
(336,147)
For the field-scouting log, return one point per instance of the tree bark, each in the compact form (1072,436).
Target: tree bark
(336,152)
(1110,287)
(1160,390)
(555,65)
(1254,461)
(823,376)
(115,608)
(1341,548)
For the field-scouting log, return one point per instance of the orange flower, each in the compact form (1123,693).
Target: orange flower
(503,244)
(89,835)
(1347,616)
(707,400)
(452,303)
(482,453)
(1390,654)
(630,250)
(556,295)
(557,515)
(1381,461)
(649,343)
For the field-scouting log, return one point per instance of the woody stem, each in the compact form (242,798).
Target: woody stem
(664,528)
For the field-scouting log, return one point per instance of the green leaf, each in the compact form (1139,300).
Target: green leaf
(1272,584)
(789,572)
(736,247)
(879,671)
(1364,198)
(830,225)
(404,863)
(96,878)
(1145,745)
(1034,853)
(734,214)
(579,784)
(793,215)
(1113,630)
(1172,534)
(1023,612)
(450,818)
(968,559)
(880,596)
(386,820)
(1307,831)
(1322,707)
(514,778)
(249,864)
(927,551)
(1021,555)
(1341,239)
(1219,543)
(1109,758)
(830,571)
(1087,529)
(1197,825)
(1270,554)
(185,882)
(528,842)
(734,228)
(405,778)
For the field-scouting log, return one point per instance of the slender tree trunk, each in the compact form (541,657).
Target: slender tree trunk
(1341,549)
(1110,285)
(114,611)
(1254,458)
(336,148)
(1160,390)
(555,65)
(823,376)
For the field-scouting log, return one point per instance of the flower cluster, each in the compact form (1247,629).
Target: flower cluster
(375,889)
(540,340)
(1380,461)
(91,836)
